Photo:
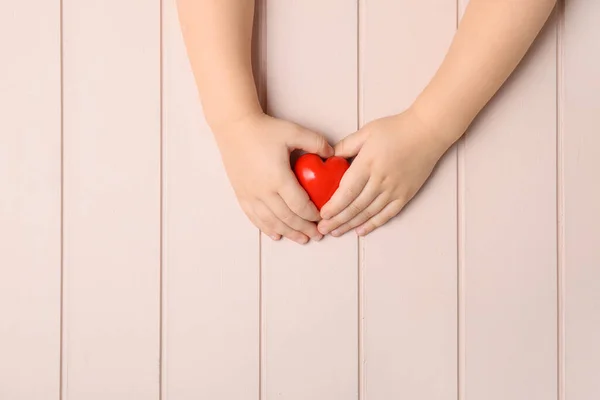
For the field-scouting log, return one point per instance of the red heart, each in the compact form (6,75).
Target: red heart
(320,179)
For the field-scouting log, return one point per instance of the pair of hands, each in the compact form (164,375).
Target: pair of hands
(394,157)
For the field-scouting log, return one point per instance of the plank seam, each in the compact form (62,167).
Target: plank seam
(460,252)
(261,14)
(361,241)
(161,313)
(62,374)
(560,260)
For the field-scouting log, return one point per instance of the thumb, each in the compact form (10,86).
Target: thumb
(311,142)
(351,144)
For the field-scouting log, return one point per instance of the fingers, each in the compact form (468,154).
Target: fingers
(373,209)
(351,144)
(271,225)
(288,217)
(390,211)
(297,200)
(350,188)
(358,206)
(311,142)
(263,227)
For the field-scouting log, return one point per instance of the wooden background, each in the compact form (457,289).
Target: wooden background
(128,271)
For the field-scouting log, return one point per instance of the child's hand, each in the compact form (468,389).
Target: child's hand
(256,154)
(395,157)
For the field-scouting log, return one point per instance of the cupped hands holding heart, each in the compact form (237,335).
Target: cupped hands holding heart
(393,157)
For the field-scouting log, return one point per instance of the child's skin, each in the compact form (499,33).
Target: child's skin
(395,155)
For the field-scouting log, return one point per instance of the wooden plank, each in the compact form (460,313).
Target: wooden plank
(410,272)
(30,200)
(111,199)
(310,297)
(211,268)
(509,223)
(580,134)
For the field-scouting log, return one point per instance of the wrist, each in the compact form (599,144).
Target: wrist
(233,124)
(230,98)
(446,121)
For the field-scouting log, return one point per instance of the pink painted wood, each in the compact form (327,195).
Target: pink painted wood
(580,201)
(111,199)
(310,293)
(211,254)
(409,266)
(503,305)
(30,206)
(508,220)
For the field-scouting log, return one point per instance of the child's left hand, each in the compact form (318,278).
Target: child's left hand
(394,157)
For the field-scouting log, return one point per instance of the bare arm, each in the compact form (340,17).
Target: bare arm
(396,155)
(492,38)
(255,148)
(218,36)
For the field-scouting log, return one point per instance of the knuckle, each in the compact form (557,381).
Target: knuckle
(368,214)
(382,180)
(401,200)
(281,227)
(287,218)
(319,142)
(350,192)
(299,202)
(305,209)
(270,223)
(398,205)
(354,208)
(261,214)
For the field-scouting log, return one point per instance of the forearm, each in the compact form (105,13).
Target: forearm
(492,38)
(218,37)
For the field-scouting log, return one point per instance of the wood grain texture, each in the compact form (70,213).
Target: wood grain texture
(30,200)
(111,199)
(310,299)
(410,270)
(580,112)
(509,222)
(211,251)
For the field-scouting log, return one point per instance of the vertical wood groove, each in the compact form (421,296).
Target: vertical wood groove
(460,253)
(61,367)
(361,246)
(260,71)
(560,202)
(161,349)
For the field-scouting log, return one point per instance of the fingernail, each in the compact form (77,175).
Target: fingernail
(302,240)
(318,237)
(361,231)
(274,237)
(323,230)
(336,233)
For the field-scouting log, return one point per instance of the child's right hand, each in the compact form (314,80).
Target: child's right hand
(256,155)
